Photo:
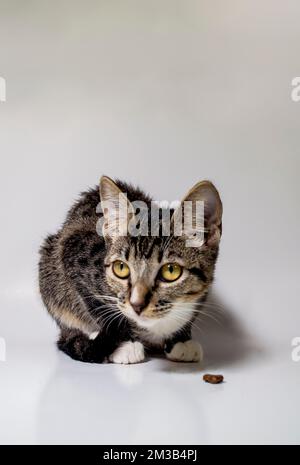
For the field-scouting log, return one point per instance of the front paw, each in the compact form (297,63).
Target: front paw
(128,352)
(188,351)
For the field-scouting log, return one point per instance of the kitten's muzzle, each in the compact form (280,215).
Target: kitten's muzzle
(139,298)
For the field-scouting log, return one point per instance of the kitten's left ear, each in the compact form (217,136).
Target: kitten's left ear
(117,210)
(207,193)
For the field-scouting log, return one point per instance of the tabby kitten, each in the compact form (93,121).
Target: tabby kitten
(115,297)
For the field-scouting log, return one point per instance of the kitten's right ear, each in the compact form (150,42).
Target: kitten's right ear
(116,208)
(207,193)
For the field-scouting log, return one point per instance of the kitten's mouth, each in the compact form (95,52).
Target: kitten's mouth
(143,319)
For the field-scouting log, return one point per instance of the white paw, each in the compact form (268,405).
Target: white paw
(128,352)
(189,351)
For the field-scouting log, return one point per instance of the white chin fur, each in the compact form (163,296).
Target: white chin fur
(160,328)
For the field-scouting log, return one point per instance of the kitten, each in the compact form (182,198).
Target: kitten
(115,297)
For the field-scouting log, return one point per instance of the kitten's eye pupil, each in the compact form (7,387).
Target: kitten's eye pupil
(120,269)
(170,272)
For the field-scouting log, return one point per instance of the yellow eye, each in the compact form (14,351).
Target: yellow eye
(170,272)
(120,269)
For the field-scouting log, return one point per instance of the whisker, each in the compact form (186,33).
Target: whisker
(98,311)
(108,318)
(101,296)
(201,308)
(118,315)
(180,319)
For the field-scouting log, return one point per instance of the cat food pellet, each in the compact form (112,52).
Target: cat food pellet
(213,379)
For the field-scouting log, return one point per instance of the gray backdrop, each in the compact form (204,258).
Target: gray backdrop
(162,94)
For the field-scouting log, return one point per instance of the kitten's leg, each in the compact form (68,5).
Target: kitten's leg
(128,352)
(181,348)
(80,347)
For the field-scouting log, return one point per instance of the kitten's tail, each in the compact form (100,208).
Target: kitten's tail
(79,347)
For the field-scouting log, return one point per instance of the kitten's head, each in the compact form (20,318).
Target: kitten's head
(159,278)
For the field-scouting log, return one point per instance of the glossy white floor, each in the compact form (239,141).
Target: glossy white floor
(160,94)
(45,397)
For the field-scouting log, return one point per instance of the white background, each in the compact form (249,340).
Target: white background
(162,94)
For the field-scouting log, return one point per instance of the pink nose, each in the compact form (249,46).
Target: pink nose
(139,298)
(138,308)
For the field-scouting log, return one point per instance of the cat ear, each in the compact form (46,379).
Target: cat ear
(210,208)
(116,208)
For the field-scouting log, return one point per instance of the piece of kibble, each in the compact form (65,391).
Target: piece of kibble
(213,379)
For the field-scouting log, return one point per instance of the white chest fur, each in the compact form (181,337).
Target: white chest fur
(162,328)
